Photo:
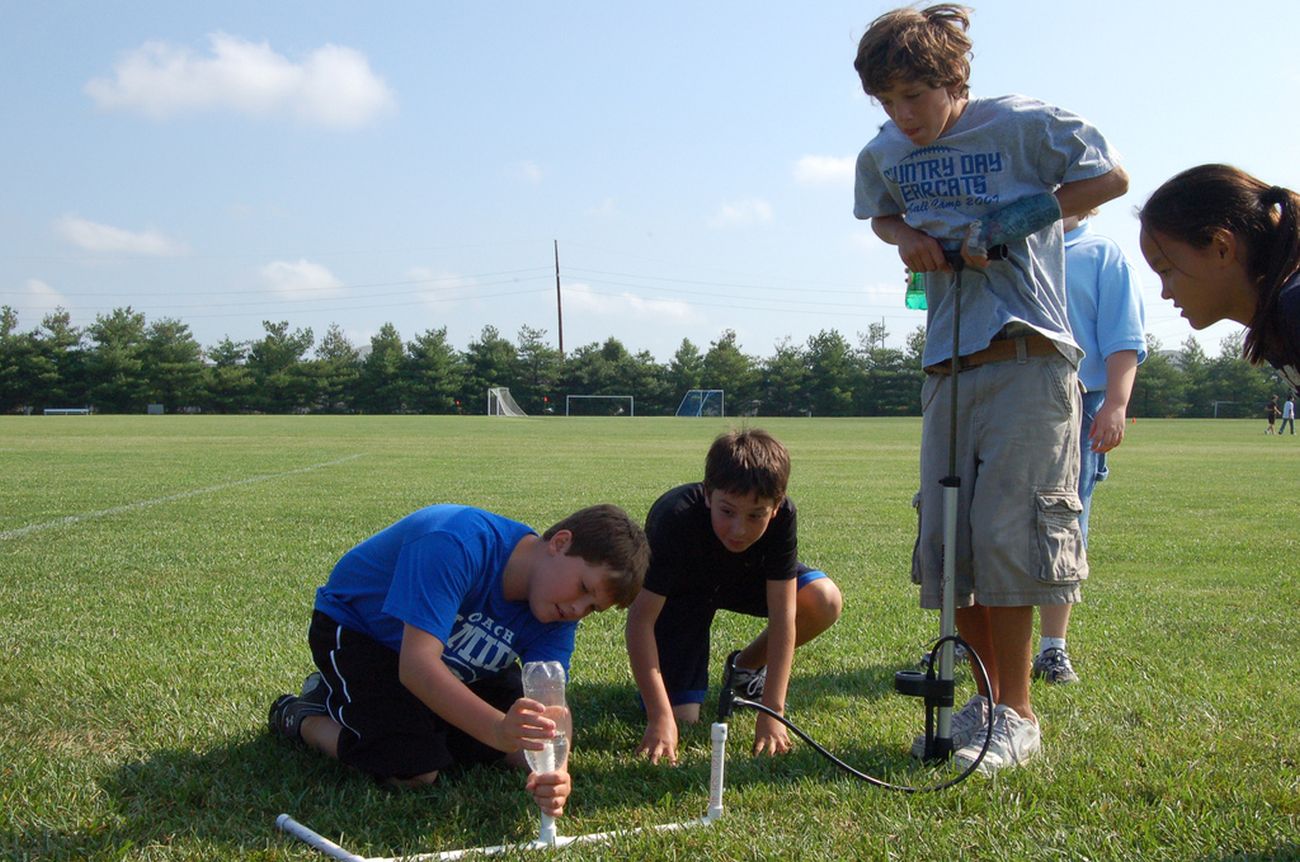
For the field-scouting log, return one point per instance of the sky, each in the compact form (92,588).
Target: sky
(419,164)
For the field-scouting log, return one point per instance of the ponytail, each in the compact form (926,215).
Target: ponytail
(1276,261)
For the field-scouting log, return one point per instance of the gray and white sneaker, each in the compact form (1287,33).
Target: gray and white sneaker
(287,713)
(1053,666)
(971,719)
(1015,740)
(743,681)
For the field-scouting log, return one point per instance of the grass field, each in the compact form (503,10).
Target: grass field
(156,576)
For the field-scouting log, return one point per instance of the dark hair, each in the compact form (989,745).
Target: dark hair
(1201,202)
(605,536)
(748,461)
(928,45)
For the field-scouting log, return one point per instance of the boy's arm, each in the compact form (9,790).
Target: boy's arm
(660,739)
(769,734)
(1080,196)
(421,669)
(920,251)
(1107,430)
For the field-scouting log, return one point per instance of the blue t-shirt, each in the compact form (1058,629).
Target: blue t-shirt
(440,569)
(1104,300)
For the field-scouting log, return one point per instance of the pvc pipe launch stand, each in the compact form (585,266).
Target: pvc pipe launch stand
(546,838)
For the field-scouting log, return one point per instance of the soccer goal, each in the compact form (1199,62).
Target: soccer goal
(599,405)
(703,402)
(499,403)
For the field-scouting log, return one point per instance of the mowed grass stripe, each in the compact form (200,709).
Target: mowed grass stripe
(69,520)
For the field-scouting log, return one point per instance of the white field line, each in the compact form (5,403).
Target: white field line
(131,507)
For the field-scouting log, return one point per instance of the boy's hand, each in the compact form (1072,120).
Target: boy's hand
(770,736)
(550,790)
(920,251)
(1107,430)
(524,727)
(660,740)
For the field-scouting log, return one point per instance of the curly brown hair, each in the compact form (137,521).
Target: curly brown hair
(928,45)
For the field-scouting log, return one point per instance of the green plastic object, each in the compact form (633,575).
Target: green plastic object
(915,296)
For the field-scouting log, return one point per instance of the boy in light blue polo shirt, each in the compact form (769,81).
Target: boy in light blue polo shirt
(1104,299)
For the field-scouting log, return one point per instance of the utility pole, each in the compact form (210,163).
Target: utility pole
(559,309)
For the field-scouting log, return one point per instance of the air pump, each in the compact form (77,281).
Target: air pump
(936,690)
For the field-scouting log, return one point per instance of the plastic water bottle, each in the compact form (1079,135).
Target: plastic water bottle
(544,682)
(915,296)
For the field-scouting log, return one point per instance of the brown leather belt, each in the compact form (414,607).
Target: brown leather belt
(1001,350)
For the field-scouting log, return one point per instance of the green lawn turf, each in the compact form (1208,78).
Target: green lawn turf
(156,576)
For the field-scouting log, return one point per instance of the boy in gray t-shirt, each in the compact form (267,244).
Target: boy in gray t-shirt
(948,176)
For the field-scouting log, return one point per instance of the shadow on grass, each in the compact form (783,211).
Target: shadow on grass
(1274,854)
(609,719)
(224,799)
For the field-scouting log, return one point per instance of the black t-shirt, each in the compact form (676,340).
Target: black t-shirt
(686,556)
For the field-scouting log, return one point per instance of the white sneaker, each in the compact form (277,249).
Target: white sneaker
(971,719)
(1015,740)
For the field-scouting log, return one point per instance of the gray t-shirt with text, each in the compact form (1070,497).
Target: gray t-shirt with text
(998,151)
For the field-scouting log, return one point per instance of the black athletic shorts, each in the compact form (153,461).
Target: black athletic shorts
(682,633)
(387,731)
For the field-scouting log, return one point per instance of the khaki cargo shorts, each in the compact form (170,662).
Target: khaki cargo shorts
(1018,536)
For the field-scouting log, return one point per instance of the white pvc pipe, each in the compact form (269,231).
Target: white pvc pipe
(717,764)
(314,840)
(546,833)
(545,839)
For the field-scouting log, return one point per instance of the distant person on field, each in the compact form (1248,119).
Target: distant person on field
(419,633)
(947,177)
(727,543)
(1271,412)
(1226,246)
(1104,300)
(1288,415)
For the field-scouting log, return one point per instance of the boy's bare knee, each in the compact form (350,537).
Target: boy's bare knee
(822,602)
(687,713)
(832,600)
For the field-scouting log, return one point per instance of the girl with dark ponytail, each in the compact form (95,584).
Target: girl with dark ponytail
(1226,245)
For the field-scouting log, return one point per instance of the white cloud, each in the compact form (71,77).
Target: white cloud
(742,213)
(333,86)
(824,170)
(580,297)
(301,280)
(38,294)
(529,171)
(105,238)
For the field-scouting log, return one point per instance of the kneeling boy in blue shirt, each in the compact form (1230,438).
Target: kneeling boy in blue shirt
(419,633)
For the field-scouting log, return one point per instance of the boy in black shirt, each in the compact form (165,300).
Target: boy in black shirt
(729,542)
